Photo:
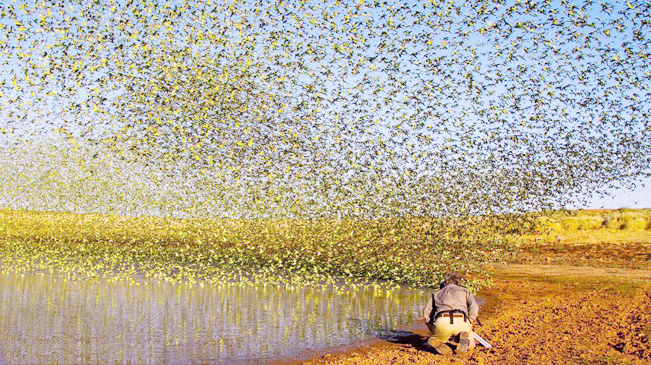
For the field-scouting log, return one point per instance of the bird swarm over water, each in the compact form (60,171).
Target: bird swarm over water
(225,252)
(315,119)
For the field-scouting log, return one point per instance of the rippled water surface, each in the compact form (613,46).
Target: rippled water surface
(49,319)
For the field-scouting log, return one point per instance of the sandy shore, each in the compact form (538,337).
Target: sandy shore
(543,314)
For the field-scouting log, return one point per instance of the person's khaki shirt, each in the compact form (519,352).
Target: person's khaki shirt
(452,297)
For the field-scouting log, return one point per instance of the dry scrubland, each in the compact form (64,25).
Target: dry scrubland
(576,293)
(605,238)
(587,220)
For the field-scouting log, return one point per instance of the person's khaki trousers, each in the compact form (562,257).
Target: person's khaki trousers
(442,329)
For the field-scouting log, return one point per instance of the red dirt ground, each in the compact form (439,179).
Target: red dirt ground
(542,320)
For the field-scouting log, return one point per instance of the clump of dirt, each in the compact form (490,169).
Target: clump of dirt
(634,336)
(543,323)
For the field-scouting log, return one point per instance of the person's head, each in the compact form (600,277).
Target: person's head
(452,278)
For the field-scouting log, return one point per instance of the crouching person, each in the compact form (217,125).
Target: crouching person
(450,313)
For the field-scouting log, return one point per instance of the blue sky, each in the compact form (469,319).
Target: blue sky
(624,197)
(422,102)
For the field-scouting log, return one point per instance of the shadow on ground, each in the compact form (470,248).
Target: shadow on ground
(417,341)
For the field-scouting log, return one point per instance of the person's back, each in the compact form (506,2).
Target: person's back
(451,311)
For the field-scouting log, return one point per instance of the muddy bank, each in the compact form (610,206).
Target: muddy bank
(546,319)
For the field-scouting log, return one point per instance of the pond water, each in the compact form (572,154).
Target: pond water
(49,319)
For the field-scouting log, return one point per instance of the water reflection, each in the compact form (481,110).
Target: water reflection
(50,319)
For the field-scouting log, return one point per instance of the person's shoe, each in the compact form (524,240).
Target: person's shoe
(464,344)
(439,346)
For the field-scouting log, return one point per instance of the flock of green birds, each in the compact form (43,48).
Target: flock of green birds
(308,141)
(320,109)
(342,254)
